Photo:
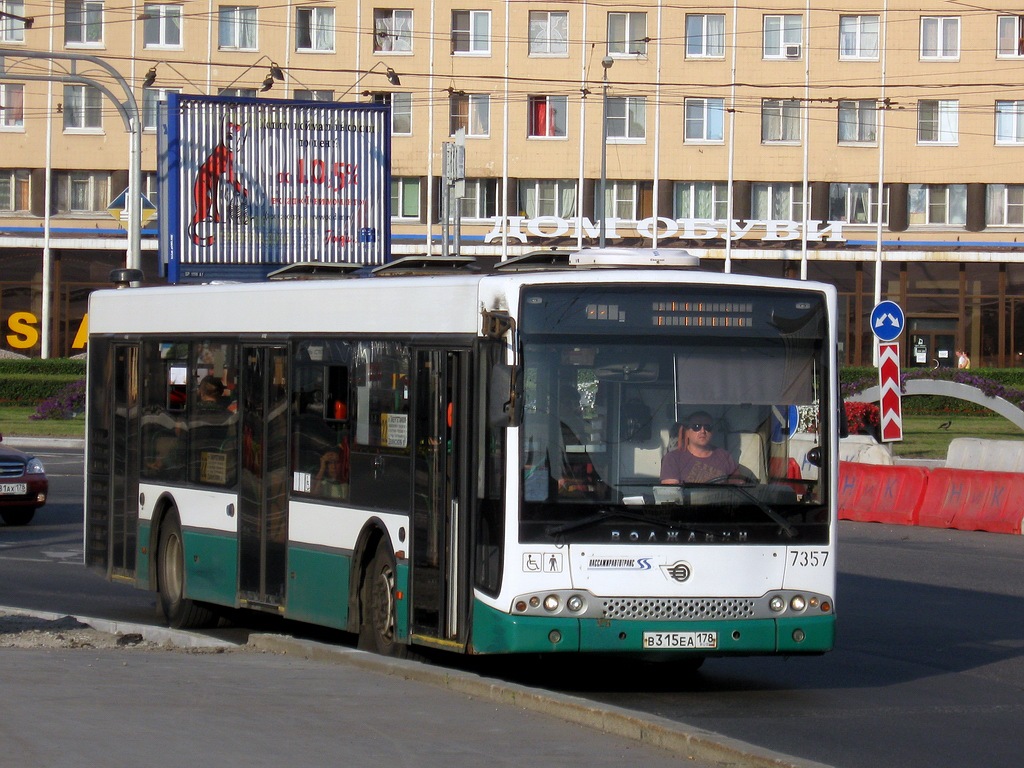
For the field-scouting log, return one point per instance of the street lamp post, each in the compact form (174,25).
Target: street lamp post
(606,63)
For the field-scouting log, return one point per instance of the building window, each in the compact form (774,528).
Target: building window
(83,22)
(782,36)
(392,31)
(151,188)
(627,34)
(937,121)
(83,191)
(1004,205)
(152,98)
(481,199)
(940,37)
(314,29)
(14,190)
(622,200)
(238,93)
(627,118)
(856,203)
(937,204)
(548,116)
(313,94)
(778,201)
(857,121)
(704,120)
(1010,36)
(12,30)
(471,33)
(858,37)
(405,197)
(83,108)
(547,197)
(780,121)
(705,35)
(1010,122)
(236,26)
(12,105)
(161,26)
(472,112)
(700,200)
(401,111)
(549,33)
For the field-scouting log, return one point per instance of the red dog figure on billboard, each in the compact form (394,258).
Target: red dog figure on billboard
(219,166)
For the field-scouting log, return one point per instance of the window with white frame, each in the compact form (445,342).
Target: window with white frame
(83,108)
(700,200)
(937,121)
(627,118)
(780,121)
(314,29)
(627,34)
(940,37)
(858,37)
(14,190)
(481,199)
(401,111)
(12,106)
(83,191)
(547,197)
(705,35)
(704,120)
(1010,37)
(152,98)
(856,203)
(471,33)
(1010,122)
(12,30)
(547,116)
(161,26)
(549,33)
(783,201)
(1004,205)
(405,197)
(783,34)
(471,111)
(236,27)
(83,22)
(622,200)
(392,30)
(238,93)
(937,204)
(858,121)
(313,94)
(151,189)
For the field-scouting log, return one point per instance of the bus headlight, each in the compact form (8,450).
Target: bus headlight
(575,604)
(798,603)
(552,603)
(777,604)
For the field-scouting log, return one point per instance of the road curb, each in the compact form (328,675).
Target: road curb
(39,443)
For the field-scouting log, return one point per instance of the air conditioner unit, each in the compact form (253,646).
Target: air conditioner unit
(792,50)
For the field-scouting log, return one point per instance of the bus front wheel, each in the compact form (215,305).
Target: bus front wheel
(378,616)
(180,612)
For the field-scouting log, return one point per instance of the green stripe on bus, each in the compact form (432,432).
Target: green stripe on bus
(317,588)
(211,566)
(142,555)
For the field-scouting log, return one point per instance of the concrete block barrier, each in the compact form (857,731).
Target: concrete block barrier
(973,500)
(880,493)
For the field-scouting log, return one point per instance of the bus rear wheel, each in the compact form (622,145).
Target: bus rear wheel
(180,612)
(378,624)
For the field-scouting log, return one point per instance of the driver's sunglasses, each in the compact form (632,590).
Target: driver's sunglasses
(698,426)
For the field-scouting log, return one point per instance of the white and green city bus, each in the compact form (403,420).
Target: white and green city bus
(436,455)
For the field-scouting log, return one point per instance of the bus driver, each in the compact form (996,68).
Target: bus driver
(696,460)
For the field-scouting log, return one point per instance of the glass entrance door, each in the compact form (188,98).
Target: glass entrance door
(931,342)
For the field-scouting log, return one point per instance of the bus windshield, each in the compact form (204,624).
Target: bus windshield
(662,413)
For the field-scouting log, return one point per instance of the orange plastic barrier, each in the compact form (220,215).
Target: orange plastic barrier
(880,493)
(973,500)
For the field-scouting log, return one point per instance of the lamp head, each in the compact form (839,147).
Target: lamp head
(607,62)
(268,83)
(392,76)
(150,77)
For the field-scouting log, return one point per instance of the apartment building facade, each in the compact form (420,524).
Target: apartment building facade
(878,147)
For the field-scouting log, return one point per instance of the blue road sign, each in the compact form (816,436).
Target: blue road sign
(887,321)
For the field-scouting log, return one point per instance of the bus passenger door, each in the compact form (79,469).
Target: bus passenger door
(439,540)
(263,496)
(124,468)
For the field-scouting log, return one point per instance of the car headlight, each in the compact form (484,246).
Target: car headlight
(34,467)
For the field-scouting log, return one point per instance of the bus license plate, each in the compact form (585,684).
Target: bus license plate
(13,489)
(654,641)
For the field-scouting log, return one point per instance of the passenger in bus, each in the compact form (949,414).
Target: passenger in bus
(211,393)
(331,480)
(697,459)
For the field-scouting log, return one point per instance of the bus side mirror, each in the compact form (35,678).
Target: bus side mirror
(814,456)
(505,401)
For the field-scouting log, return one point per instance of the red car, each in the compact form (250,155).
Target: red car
(23,485)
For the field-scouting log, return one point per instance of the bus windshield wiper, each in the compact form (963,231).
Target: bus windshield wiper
(783,523)
(603,515)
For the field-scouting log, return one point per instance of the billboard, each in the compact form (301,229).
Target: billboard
(252,185)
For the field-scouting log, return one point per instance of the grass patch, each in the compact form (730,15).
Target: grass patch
(923,439)
(15,421)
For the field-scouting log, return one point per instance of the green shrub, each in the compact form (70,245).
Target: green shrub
(29,382)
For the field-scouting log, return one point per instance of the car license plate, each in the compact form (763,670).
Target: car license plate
(656,641)
(13,489)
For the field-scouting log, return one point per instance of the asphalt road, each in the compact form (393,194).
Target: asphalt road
(928,671)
